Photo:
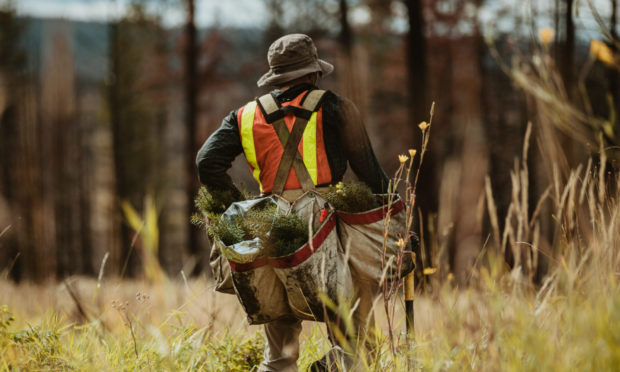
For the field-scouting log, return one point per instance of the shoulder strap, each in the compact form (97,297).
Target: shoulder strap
(312,100)
(268,104)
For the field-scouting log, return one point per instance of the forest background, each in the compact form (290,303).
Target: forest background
(97,113)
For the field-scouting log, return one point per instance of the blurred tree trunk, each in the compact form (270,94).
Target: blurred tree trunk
(556,21)
(568,58)
(573,151)
(416,60)
(115,103)
(12,81)
(419,107)
(32,213)
(346,37)
(137,104)
(614,77)
(191,107)
(61,150)
(350,72)
(275,26)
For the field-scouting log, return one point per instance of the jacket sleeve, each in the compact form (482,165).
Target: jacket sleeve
(358,149)
(216,155)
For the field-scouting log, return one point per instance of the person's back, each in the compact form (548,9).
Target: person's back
(330,133)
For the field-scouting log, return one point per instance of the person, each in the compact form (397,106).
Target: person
(334,136)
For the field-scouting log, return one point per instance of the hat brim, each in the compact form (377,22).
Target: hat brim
(273,79)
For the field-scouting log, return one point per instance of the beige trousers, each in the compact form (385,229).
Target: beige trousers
(282,336)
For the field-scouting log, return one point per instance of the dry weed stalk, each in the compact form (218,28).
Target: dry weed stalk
(403,175)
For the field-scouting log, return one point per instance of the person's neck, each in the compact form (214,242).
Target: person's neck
(296,82)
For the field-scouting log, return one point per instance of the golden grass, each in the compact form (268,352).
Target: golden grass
(570,323)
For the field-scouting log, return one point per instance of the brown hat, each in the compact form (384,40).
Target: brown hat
(290,57)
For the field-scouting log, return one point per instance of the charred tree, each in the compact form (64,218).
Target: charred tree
(346,36)
(12,58)
(568,55)
(191,117)
(275,27)
(416,62)
(614,83)
(350,72)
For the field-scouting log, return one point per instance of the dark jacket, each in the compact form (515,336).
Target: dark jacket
(344,134)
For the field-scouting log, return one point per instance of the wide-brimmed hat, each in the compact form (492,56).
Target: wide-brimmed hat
(290,57)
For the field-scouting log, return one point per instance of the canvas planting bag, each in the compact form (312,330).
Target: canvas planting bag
(254,281)
(317,267)
(362,236)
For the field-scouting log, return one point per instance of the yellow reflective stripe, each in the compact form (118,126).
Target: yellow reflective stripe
(309,148)
(247,139)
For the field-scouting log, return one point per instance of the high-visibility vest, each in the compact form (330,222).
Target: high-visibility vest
(263,149)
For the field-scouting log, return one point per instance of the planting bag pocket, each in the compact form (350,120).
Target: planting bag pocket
(220,268)
(255,283)
(260,292)
(362,238)
(319,266)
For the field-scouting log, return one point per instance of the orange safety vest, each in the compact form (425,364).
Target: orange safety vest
(263,149)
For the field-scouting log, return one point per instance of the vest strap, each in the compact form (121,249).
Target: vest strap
(291,158)
(298,163)
(312,100)
(268,104)
(291,153)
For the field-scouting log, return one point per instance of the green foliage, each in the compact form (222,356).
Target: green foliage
(279,234)
(229,232)
(351,197)
(224,355)
(54,345)
(211,204)
(257,222)
(6,318)
(288,233)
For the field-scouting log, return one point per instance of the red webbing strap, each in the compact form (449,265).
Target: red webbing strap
(239,268)
(306,251)
(372,216)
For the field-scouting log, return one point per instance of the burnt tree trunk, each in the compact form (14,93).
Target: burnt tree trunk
(418,103)
(568,60)
(614,84)
(416,60)
(191,107)
(115,101)
(350,76)
(346,37)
